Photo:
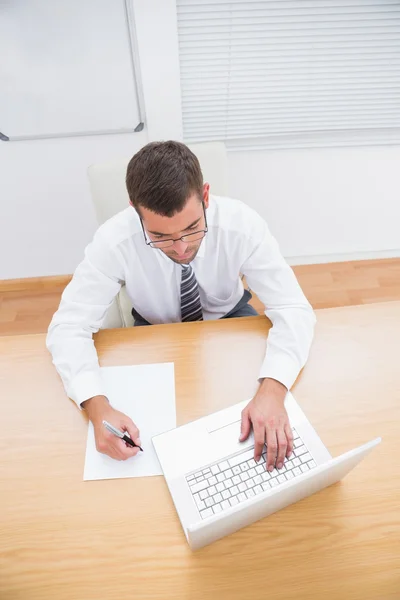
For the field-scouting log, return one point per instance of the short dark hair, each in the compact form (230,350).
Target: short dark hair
(162,176)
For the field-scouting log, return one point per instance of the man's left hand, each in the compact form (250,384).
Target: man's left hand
(267,415)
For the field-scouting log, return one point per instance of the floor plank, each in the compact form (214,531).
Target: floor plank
(29,309)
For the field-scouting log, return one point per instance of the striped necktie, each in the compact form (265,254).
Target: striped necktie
(190,298)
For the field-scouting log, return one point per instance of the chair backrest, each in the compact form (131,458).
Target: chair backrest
(107,180)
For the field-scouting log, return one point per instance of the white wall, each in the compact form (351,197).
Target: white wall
(324,204)
(46,213)
(321,204)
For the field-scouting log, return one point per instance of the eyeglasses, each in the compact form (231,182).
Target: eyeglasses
(189,237)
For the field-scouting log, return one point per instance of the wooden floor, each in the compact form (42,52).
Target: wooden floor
(26,306)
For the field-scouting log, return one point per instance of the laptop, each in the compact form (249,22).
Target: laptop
(218,488)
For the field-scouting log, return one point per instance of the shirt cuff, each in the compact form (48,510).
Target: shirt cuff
(85,386)
(280,367)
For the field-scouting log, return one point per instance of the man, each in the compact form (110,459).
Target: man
(181,252)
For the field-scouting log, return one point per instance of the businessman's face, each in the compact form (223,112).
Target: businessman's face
(190,224)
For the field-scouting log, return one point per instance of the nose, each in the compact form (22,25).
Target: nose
(180,247)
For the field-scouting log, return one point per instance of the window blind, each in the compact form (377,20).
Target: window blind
(290,73)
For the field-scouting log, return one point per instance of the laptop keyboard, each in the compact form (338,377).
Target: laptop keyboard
(238,478)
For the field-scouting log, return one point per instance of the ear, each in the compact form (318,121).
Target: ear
(206,194)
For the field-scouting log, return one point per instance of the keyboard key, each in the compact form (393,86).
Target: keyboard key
(209,501)
(242,486)
(201,478)
(207,472)
(220,487)
(295,434)
(244,476)
(189,477)
(257,479)
(233,501)
(296,471)
(244,467)
(225,504)
(237,470)
(306,457)
(213,480)
(281,478)
(250,483)
(234,490)
(208,512)
(228,483)
(304,468)
(252,473)
(265,476)
(297,443)
(228,473)
(296,462)
(257,489)
(236,460)
(223,466)
(300,451)
(212,490)
(241,497)
(289,475)
(312,464)
(220,477)
(289,465)
(217,508)
(203,494)
(197,474)
(236,479)
(282,469)
(226,494)
(197,487)
(217,498)
(260,469)
(215,469)
(199,503)
(250,493)
(273,482)
(252,463)
(266,485)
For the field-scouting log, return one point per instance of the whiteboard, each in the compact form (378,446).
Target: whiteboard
(66,68)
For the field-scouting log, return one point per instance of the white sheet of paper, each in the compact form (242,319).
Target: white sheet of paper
(146,393)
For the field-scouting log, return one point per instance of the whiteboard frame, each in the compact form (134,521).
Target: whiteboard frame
(135,67)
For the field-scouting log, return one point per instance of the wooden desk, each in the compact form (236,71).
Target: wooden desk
(62,538)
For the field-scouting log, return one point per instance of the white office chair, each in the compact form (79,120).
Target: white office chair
(109,194)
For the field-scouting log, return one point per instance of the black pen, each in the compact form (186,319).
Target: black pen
(121,435)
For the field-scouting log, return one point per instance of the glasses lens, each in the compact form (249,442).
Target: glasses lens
(192,237)
(162,244)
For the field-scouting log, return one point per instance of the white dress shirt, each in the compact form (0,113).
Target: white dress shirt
(238,242)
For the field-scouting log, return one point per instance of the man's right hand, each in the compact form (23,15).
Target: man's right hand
(99,410)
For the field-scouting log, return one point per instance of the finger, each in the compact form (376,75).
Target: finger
(245,426)
(272,448)
(109,450)
(129,426)
(282,447)
(125,451)
(105,444)
(111,446)
(289,437)
(259,438)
